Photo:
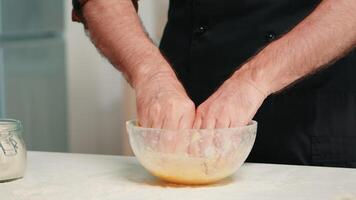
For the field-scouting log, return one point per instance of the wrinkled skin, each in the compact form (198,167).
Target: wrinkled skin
(163,103)
(233,104)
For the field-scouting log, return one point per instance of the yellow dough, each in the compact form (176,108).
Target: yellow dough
(183,169)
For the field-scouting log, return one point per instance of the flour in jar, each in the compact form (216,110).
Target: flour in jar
(12,157)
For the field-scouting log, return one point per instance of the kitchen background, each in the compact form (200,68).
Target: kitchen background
(68,97)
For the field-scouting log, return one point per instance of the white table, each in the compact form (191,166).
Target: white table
(59,176)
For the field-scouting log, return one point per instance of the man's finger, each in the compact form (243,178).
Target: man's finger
(197,123)
(186,121)
(167,141)
(236,122)
(157,121)
(155,116)
(143,119)
(171,121)
(208,122)
(222,122)
(182,139)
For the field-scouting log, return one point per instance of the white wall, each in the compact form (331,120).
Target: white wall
(99,100)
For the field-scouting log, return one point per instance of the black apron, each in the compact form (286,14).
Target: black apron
(312,122)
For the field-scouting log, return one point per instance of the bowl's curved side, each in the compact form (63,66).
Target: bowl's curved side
(231,149)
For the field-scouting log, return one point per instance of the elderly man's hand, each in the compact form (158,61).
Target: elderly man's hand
(234,104)
(163,103)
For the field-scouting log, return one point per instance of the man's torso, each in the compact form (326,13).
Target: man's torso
(312,122)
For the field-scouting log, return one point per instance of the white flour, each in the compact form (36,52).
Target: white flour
(12,157)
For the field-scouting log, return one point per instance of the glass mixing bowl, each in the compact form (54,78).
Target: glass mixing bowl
(192,156)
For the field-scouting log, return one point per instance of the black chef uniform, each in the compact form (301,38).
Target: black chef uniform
(312,122)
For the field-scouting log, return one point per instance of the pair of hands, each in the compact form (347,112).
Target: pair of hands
(163,103)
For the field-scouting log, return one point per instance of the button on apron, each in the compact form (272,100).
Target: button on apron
(200,30)
(270,36)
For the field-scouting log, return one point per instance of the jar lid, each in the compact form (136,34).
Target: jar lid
(8,125)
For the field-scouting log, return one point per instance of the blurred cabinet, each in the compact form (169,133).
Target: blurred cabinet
(31,17)
(32,71)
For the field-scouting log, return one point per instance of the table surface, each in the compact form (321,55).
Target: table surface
(57,176)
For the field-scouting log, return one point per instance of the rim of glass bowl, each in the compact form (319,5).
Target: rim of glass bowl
(134,124)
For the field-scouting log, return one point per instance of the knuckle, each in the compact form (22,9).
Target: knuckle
(171,102)
(189,105)
(201,111)
(225,109)
(211,110)
(156,108)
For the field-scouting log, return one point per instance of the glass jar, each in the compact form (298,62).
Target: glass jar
(12,150)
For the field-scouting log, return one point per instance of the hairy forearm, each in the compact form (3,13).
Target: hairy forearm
(324,36)
(116,30)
